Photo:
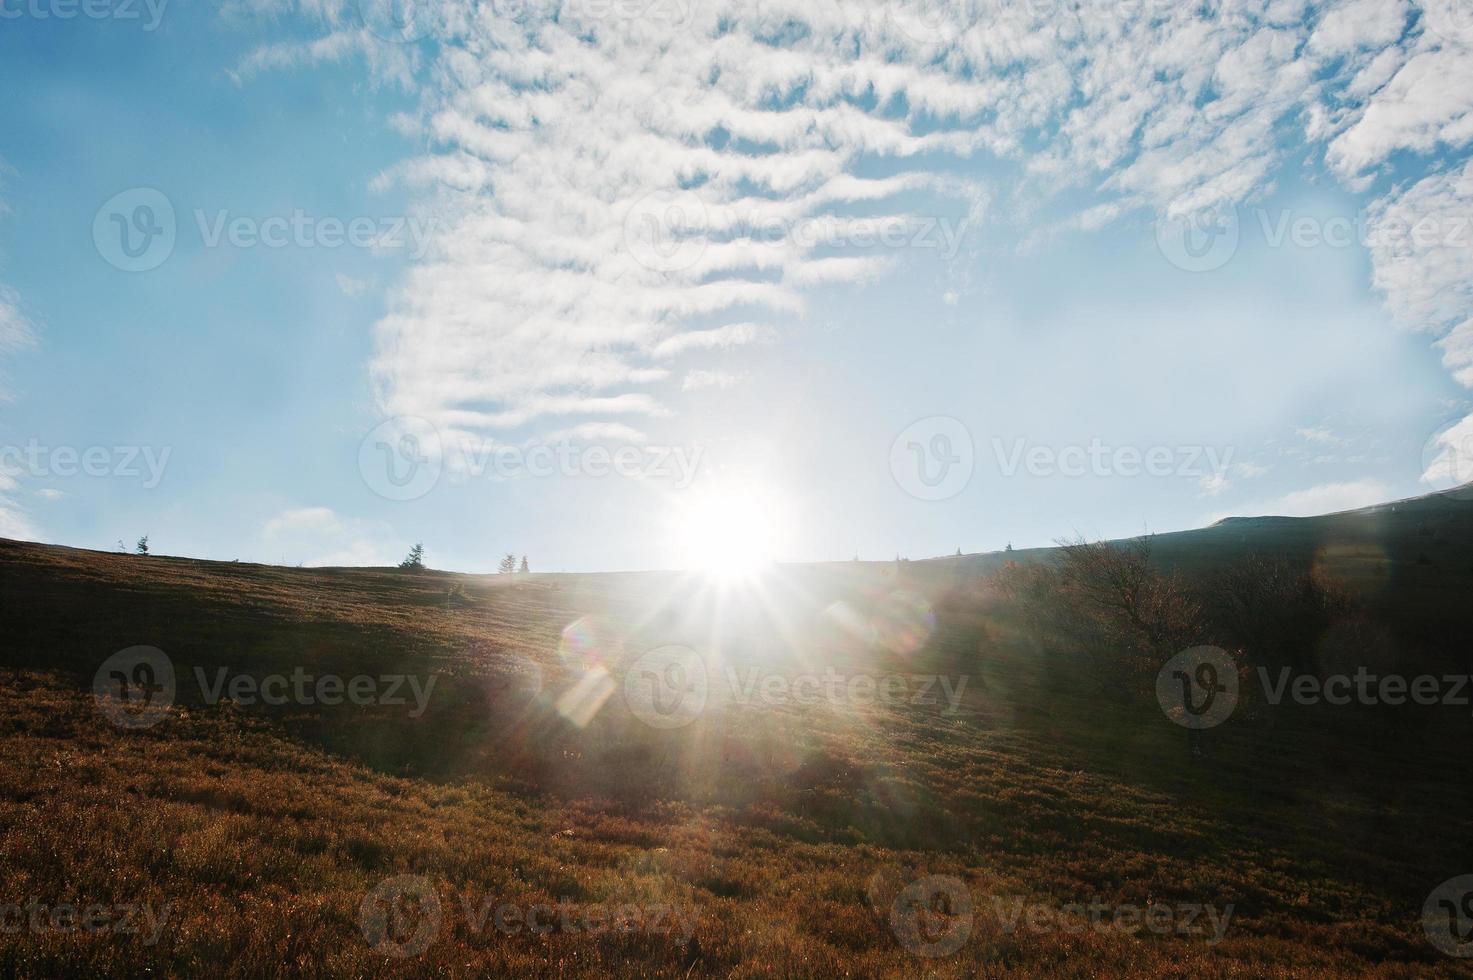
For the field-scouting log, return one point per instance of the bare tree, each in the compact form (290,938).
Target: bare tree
(1272,609)
(1136,609)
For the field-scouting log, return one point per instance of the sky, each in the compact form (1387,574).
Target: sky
(309,282)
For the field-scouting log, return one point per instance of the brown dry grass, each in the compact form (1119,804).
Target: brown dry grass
(784,832)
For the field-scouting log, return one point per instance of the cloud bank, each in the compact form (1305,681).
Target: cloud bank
(629,188)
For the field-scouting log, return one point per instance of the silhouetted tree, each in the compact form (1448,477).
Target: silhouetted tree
(415,560)
(1129,605)
(142,546)
(1273,609)
(524,569)
(508,565)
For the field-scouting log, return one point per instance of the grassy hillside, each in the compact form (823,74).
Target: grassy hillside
(770,833)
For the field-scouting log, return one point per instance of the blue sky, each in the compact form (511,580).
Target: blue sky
(1029,293)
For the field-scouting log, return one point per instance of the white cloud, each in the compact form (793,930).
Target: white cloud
(560,283)
(696,380)
(317,520)
(723,337)
(13,523)
(1213,484)
(15,329)
(598,432)
(1325,498)
(16,332)
(1427,104)
(1359,25)
(1457,348)
(50,493)
(318,536)
(1421,240)
(1319,434)
(1450,462)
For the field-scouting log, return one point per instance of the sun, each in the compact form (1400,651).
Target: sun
(730,533)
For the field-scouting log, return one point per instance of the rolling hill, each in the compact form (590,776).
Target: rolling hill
(886,773)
